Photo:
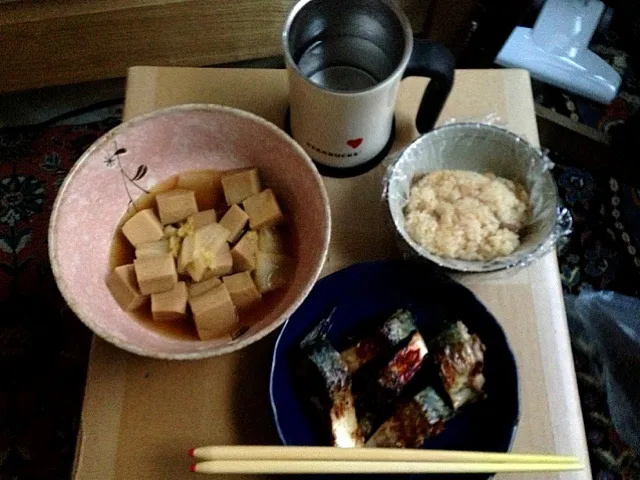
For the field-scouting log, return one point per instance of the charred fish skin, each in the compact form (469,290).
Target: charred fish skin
(398,327)
(342,419)
(374,404)
(324,357)
(413,422)
(461,359)
(434,407)
(330,366)
(334,398)
(318,334)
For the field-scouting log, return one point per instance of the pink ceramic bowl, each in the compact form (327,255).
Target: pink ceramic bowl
(96,193)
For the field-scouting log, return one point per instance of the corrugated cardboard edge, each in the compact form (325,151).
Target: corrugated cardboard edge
(103,430)
(137,76)
(77,459)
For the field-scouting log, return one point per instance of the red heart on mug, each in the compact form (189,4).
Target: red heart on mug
(354,142)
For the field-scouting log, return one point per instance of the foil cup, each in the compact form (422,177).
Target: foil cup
(481,148)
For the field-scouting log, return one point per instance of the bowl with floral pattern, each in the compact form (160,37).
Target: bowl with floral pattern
(142,152)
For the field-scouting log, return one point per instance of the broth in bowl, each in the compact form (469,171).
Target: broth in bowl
(202,254)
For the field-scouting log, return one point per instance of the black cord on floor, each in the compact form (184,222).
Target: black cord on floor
(67,115)
(267,62)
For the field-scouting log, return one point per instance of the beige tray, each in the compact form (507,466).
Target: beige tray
(140,416)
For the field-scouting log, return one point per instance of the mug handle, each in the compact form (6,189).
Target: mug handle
(435,61)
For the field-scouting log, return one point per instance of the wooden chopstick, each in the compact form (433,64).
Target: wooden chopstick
(259,452)
(350,466)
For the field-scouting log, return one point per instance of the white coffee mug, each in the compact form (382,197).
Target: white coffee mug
(345,60)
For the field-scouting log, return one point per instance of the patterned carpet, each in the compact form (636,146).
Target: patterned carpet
(44,349)
(602,253)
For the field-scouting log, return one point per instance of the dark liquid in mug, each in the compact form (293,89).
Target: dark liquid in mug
(122,253)
(345,63)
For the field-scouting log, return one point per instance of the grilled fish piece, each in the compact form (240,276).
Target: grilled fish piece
(374,403)
(461,359)
(413,422)
(391,333)
(332,395)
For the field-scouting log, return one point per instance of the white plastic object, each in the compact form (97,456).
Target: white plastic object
(555,50)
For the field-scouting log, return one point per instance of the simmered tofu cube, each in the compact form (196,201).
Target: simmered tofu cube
(198,288)
(242,290)
(171,305)
(204,183)
(210,238)
(214,313)
(263,210)
(204,218)
(149,249)
(143,227)
(244,252)
(187,253)
(240,184)
(272,271)
(123,286)
(176,205)
(156,274)
(234,220)
(270,240)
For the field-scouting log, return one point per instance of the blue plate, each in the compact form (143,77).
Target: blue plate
(367,293)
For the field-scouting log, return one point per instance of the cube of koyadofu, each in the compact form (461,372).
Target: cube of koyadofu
(123,285)
(244,252)
(198,288)
(234,220)
(171,305)
(272,271)
(176,205)
(150,249)
(263,210)
(240,184)
(242,290)
(156,274)
(204,183)
(204,218)
(214,313)
(143,227)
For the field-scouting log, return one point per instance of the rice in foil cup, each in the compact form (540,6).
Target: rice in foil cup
(482,148)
